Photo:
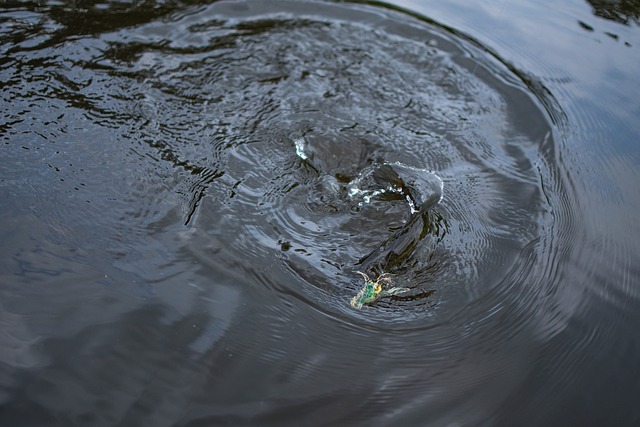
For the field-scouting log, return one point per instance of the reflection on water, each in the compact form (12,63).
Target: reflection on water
(188,192)
(622,11)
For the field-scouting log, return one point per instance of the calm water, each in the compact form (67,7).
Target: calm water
(186,198)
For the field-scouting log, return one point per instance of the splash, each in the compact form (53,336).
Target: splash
(300,143)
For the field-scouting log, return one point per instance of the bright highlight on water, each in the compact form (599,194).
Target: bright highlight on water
(300,148)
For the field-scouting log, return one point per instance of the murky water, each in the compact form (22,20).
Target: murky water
(189,191)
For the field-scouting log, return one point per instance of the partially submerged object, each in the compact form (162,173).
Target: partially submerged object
(422,189)
(373,291)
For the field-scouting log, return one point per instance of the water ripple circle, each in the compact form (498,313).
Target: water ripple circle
(292,106)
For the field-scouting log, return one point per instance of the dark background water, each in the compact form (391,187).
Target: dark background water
(169,259)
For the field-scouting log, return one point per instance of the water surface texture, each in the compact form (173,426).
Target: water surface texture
(188,192)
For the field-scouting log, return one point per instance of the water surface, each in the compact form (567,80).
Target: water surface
(181,234)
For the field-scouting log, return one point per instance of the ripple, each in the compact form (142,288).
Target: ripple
(270,115)
(402,92)
(261,130)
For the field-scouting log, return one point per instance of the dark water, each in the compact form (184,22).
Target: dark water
(181,231)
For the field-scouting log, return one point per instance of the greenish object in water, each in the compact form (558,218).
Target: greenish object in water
(373,291)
